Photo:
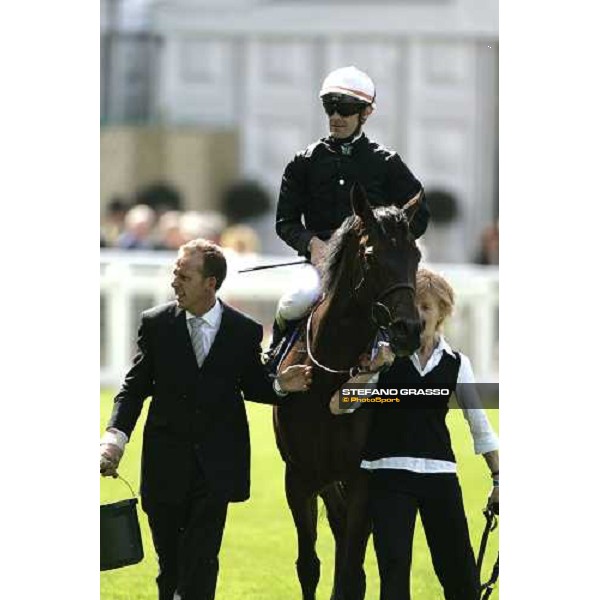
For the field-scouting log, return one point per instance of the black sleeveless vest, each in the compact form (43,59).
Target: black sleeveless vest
(417,426)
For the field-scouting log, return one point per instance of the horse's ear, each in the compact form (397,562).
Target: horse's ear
(412,206)
(361,206)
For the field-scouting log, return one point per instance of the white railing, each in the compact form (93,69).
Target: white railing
(133,281)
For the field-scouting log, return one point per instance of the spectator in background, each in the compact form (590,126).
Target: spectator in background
(160,196)
(241,238)
(168,234)
(208,225)
(137,235)
(114,222)
(489,249)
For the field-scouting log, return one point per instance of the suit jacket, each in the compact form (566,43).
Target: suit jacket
(195,414)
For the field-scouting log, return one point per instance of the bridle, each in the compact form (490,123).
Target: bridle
(380,313)
(379,306)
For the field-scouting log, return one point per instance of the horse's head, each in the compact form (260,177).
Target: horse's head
(386,268)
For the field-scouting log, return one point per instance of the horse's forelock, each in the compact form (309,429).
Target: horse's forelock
(390,219)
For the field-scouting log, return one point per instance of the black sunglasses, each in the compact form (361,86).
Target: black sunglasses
(344,109)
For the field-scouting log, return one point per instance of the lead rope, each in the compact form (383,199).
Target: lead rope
(488,587)
(491,524)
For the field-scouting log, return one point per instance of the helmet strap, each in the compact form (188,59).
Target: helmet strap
(361,116)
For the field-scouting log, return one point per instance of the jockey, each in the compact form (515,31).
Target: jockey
(314,198)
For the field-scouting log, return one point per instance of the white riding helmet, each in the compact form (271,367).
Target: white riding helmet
(349,81)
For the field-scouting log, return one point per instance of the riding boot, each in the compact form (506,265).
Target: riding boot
(278,333)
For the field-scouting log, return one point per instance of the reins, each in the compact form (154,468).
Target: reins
(352,371)
(377,305)
(355,370)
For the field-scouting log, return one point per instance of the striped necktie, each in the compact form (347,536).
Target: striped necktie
(198,339)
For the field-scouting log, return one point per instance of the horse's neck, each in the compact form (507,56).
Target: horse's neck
(344,327)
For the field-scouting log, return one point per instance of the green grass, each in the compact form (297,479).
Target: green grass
(259,547)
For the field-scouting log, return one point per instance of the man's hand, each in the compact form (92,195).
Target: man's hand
(317,249)
(494,500)
(110,456)
(296,378)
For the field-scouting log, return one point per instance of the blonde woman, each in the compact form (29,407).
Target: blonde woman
(410,458)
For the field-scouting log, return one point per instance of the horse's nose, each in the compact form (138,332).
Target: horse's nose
(408,327)
(405,336)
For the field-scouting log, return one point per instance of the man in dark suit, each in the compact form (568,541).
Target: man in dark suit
(195,358)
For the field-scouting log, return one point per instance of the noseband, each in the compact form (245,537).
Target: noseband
(386,319)
(377,303)
(379,306)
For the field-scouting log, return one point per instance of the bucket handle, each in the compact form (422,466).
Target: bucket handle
(117,476)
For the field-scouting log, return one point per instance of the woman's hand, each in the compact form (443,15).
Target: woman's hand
(494,500)
(383,358)
(492,459)
(335,405)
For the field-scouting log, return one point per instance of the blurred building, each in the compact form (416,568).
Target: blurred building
(250,70)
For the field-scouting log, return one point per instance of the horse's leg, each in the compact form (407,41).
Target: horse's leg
(337,516)
(302,500)
(358,529)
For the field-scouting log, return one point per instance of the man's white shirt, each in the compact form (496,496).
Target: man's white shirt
(211,321)
(208,329)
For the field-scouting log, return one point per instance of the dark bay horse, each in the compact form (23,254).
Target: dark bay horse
(368,282)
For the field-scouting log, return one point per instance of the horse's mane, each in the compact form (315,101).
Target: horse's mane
(335,251)
(390,220)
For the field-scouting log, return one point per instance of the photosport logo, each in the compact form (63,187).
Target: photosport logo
(465,395)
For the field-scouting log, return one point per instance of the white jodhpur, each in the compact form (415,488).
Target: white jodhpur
(298,300)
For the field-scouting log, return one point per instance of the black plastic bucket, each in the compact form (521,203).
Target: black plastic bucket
(120,535)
